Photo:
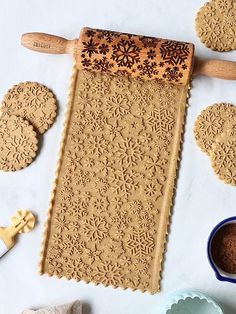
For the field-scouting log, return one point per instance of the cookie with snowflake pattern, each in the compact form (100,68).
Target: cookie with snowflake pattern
(18,143)
(213,121)
(33,102)
(223,158)
(216,24)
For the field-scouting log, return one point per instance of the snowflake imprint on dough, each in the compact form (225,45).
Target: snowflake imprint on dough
(117,105)
(33,102)
(160,120)
(18,142)
(123,182)
(114,175)
(211,122)
(129,152)
(96,228)
(108,273)
(140,243)
(216,24)
(223,158)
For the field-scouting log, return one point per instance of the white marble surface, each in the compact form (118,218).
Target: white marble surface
(201,200)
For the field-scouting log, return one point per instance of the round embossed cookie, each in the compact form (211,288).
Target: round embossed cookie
(31,101)
(18,143)
(211,122)
(216,24)
(223,158)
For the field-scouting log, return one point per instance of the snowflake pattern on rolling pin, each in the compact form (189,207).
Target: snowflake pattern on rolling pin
(135,56)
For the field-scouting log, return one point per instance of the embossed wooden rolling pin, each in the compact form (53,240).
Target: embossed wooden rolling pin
(137,56)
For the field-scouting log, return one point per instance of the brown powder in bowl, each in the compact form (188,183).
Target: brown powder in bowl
(223,248)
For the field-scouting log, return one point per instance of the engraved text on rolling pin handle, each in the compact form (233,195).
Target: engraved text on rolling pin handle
(41,45)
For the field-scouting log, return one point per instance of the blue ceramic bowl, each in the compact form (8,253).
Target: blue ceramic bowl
(190,301)
(220,274)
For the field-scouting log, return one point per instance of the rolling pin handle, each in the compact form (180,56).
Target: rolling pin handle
(47,43)
(221,69)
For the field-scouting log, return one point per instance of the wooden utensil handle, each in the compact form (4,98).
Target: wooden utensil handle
(216,68)
(48,43)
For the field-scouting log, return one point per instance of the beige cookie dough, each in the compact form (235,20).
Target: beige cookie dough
(18,143)
(33,102)
(211,122)
(115,181)
(216,24)
(223,158)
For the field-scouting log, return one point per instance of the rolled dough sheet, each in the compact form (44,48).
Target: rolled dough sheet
(111,202)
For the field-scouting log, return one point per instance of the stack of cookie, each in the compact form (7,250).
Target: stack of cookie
(215,134)
(27,110)
(215,127)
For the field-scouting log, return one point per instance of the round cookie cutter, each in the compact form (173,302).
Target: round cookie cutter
(181,301)
(219,273)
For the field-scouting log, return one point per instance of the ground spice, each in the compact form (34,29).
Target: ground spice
(223,248)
